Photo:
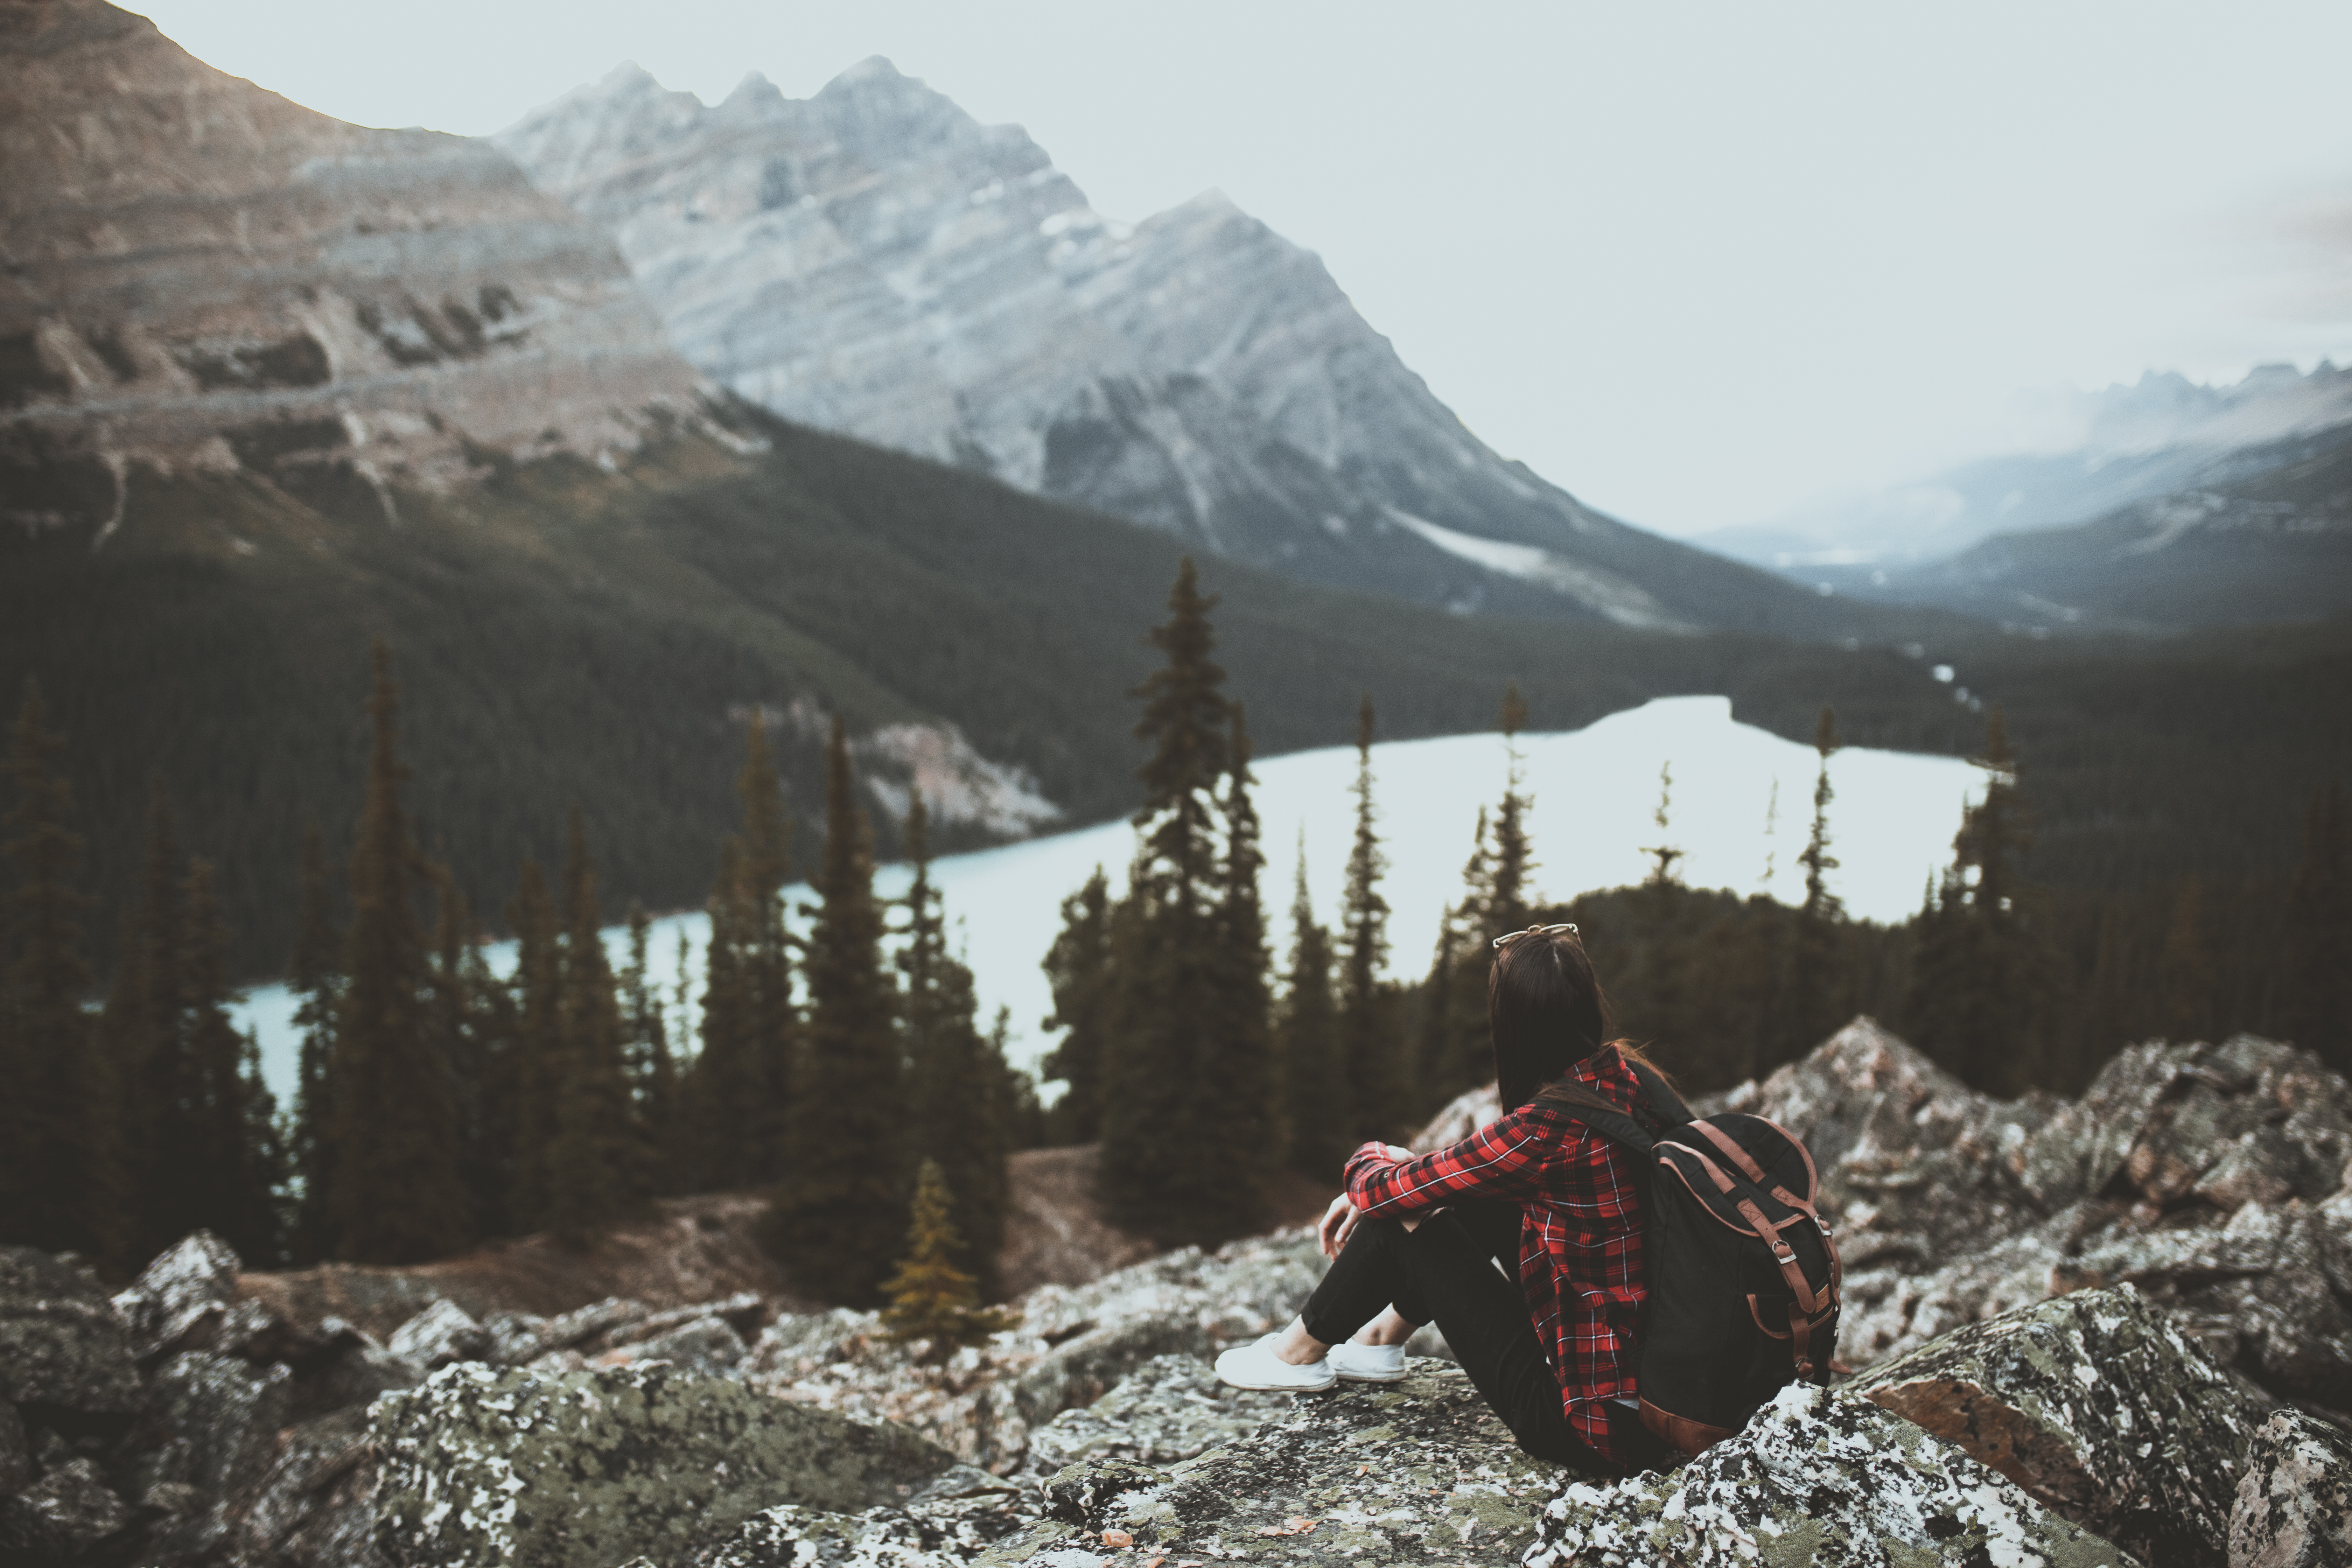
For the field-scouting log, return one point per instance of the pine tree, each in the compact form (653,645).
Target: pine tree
(957,1106)
(727,1089)
(766,979)
(592,1176)
(1813,1001)
(234,1185)
(1078,968)
(398,1197)
(533,1068)
(1312,1075)
(1165,945)
(2315,986)
(314,977)
(1240,1124)
(1375,1095)
(1664,855)
(1456,1051)
(143,1025)
(652,1073)
(831,1216)
(60,1182)
(929,1298)
(1981,978)
(1513,858)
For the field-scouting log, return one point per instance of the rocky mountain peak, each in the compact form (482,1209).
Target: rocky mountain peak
(212,279)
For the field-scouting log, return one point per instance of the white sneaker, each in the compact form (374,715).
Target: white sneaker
(1367,1364)
(1256,1366)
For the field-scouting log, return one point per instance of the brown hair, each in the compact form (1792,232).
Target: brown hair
(1547,1012)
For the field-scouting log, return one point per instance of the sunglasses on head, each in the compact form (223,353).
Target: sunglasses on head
(1511,936)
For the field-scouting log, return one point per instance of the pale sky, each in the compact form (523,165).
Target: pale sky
(1693,262)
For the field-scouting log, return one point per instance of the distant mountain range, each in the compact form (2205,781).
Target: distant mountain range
(2182,505)
(873,261)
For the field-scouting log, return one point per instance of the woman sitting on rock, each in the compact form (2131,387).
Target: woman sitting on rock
(1549,1336)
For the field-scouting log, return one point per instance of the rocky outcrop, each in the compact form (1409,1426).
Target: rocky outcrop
(207,278)
(874,261)
(1814,1479)
(480,1467)
(1397,1472)
(2096,1405)
(2294,1502)
(1171,1407)
(2217,1179)
(65,1357)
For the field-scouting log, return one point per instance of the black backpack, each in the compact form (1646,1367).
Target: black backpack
(1743,1272)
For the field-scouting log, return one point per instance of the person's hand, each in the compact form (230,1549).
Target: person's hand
(1397,1154)
(1339,1223)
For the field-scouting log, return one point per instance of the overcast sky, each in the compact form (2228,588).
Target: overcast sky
(1694,262)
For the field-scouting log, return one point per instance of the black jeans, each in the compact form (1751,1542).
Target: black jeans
(1442,1272)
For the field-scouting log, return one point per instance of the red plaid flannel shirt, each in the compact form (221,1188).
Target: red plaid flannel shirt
(1579,1240)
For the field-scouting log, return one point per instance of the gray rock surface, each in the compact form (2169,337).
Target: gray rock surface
(315,1505)
(1171,1407)
(16,1466)
(950,1520)
(2098,1406)
(583,1471)
(1814,1479)
(1369,1473)
(514,1338)
(211,1425)
(2293,1506)
(64,1356)
(2218,1179)
(438,1335)
(74,1504)
(700,1344)
(586,1325)
(179,1300)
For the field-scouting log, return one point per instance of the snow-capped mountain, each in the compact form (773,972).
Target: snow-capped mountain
(872,260)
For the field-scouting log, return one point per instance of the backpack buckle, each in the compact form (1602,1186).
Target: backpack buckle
(1824,1225)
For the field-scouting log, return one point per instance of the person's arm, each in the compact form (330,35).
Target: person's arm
(1500,1161)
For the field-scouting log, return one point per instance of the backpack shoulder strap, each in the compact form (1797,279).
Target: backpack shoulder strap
(1613,1125)
(1664,1103)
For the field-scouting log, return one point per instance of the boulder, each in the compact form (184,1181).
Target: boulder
(65,1355)
(2294,1502)
(741,1311)
(180,1300)
(700,1344)
(1369,1473)
(488,1466)
(514,1338)
(314,1506)
(592,1322)
(74,1506)
(438,1335)
(354,1369)
(951,1521)
(2098,1406)
(211,1425)
(1170,1408)
(1814,1479)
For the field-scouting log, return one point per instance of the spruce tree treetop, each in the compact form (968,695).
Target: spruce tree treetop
(1514,859)
(1365,912)
(1184,721)
(929,1298)
(1820,904)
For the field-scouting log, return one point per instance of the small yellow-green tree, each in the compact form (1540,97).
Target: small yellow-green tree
(929,1298)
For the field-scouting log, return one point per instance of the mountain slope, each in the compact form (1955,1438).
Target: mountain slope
(203,278)
(871,260)
(2265,535)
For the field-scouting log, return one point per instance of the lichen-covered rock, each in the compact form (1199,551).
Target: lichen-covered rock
(75,1503)
(948,1523)
(2098,1406)
(210,1425)
(491,1467)
(1399,1472)
(64,1356)
(438,1335)
(179,1300)
(590,1322)
(1170,1408)
(2294,1502)
(1813,1478)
